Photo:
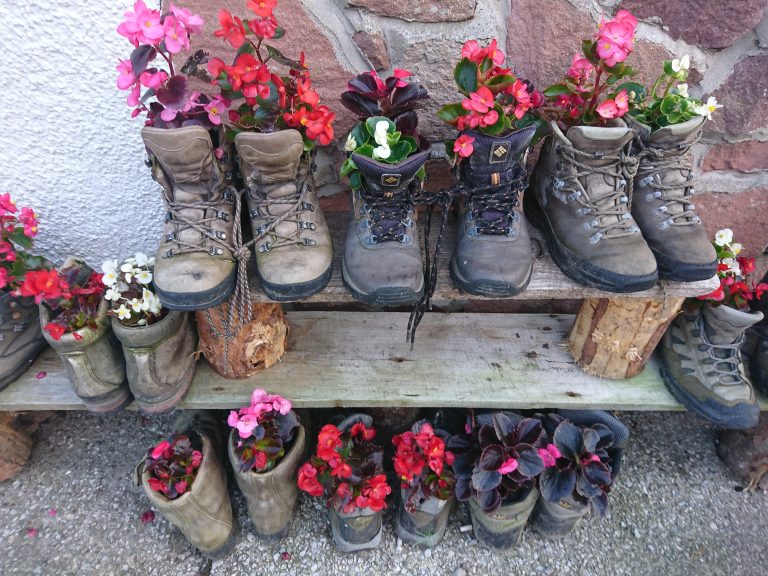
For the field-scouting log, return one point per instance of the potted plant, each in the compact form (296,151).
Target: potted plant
(668,123)
(382,263)
(582,184)
(184,480)
(423,466)
(496,125)
(20,337)
(265,447)
(275,121)
(579,471)
(701,350)
(75,322)
(496,468)
(158,343)
(348,470)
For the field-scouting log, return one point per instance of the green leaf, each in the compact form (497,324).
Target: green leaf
(393,138)
(348,167)
(465,75)
(500,82)
(411,141)
(450,113)
(400,152)
(359,134)
(277,56)
(486,65)
(668,104)
(668,68)
(18,238)
(589,49)
(449,147)
(279,33)
(556,90)
(365,150)
(246,48)
(356,180)
(370,124)
(421,173)
(617,70)
(630,87)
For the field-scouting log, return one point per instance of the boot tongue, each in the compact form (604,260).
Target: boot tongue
(598,139)
(669,137)
(724,325)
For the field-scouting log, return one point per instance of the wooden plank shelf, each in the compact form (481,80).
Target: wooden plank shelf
(547,282)
(361,359)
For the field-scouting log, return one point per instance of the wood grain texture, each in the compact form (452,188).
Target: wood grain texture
(547,282)
(15,446)
(361,359)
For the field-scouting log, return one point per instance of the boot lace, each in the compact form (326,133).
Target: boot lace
(495,209)
(657,161)
(724,359)
(611,216)
(388,217)
(211,240)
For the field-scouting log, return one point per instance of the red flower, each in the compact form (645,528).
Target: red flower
(262,8)
(55,330)
(480,101)
(463,146)
(156,485)
(181,486)
(308,480)
(305,92)
(328,440)
(342,491)
(366,434)
(376,490)
(232,29)
(245,70)
(320,125)
(265,28)
(341,469)
(162,450)
(747,265)
(44,285)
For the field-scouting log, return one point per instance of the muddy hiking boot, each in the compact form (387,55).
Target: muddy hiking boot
(382,263)
(493,255)
(583,188)
(195,268)
(293,245)
(702,365)
(662,201)
(21,338)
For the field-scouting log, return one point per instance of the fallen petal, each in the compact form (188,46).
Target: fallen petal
(40,375)
(52,512)
(31,532)
(147,517)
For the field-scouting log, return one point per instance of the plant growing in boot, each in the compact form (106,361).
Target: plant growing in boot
(128,288)
(18,228)
(172,464)
(166,100)
(265,431)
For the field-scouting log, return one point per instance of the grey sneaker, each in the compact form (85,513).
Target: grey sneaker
(662,201)
(582,186)
(702,365)
(21,339)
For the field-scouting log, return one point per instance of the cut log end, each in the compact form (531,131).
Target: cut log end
(16,431)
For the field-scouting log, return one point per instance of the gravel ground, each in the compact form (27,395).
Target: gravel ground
(674,511)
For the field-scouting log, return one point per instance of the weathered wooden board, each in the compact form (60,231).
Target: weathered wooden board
(547,282)
(361,359)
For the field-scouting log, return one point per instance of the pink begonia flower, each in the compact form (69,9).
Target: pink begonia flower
(181,486)
(381,87)
(215,108)
(192,22)
(610,52)
(134,96)
(399,73)
(28,219)
(589,459)
(153,79)
(5,277)
(233,418)
(142,26)
(161,450)
(176,37)
(608,109)
(31,532)
(6,204)
(626,17)
(471,50)
(259,395)
(125,78)
(480,101)
(549,455)
(42,374)
(622,102)
(581,68)
(281,405)
(246,425)
(508,466)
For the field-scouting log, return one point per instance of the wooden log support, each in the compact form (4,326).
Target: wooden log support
(257,345)
(16,431)
(745,452)
(615,337)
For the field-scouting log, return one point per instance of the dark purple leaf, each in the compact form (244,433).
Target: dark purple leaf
(556,484)
(491,458)
(485,480)
(409,95)
(600,504)
(502,425)
(590,438)
(606,435)
(286,424)
(616,457)
(489,500)
(390,83)
(140,57)
(529,431)
(567,438)
(597,473)
(406,122)
(529,462)
(362,106)
(463,464)
(487,435)
(174,93)
(462,489)
(363,84)
(586,488)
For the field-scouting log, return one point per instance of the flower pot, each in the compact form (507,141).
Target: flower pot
(502,529)
(358,530)
(426,526)
(204,513)
(271,496)
(558,519)
(160,360)
(93,361)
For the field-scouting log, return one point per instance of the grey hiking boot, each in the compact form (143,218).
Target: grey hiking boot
(294,258)
(21,339)
(382,258)
(702,365)
(195,268)
(757,346)
(662,202)
(493,255)
(583,187)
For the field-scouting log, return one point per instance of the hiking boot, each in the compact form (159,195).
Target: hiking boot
(757,346)
(583,187)
(293,259)
(382,258)
(702,365)
(662,202)
(21,339)
(195,268)
(493,255)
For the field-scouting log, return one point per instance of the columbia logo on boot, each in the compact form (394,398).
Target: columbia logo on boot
(390,179)
(499,152)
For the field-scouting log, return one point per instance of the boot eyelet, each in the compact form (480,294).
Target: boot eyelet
(308,242)
(645,181)
(266,247)
(168,254)
(595,238)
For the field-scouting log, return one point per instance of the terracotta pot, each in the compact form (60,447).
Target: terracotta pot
(502,528)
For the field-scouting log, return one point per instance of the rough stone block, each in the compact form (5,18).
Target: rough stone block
(745,213)
(421,10)
(374,48)
(747,156)
(744,95)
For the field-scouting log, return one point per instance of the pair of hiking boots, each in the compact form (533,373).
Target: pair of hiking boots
(196,263)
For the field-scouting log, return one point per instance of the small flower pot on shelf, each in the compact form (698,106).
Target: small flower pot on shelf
(265,449)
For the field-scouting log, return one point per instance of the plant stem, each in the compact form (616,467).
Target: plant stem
(170,62)
(656,85)
(595,93)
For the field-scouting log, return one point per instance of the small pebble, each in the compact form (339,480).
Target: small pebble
(466,528)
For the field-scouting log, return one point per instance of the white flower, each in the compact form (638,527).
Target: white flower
(144,277)
(380,133)
(123,313)
(707,109)
(109,277)
(127,267)
(683,63)
(112,295)
(155,305)
(136,305)
(733,266)
(351,143)
(146,300)
(736,248)
(109,266)
(723,237)
(682,90)
(382,152)
(141,259)
(128,277)
(141,322)
(151,261)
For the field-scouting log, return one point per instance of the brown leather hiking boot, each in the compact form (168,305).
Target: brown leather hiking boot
(662,201)
(194,267)
(583,187)
(293,259)
(21,339)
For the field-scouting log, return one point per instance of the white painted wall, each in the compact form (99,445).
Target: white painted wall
(68,145)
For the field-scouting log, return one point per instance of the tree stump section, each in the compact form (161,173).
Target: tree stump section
(745,452)
(256,346)
(16,431)
(615,337)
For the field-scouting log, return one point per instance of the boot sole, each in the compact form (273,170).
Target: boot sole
(191,301)
(22,367)
(579,269)
(489,288)
(677,271)
(741,418)
(112,405)
(289,292)
(382,296)
(165,405)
